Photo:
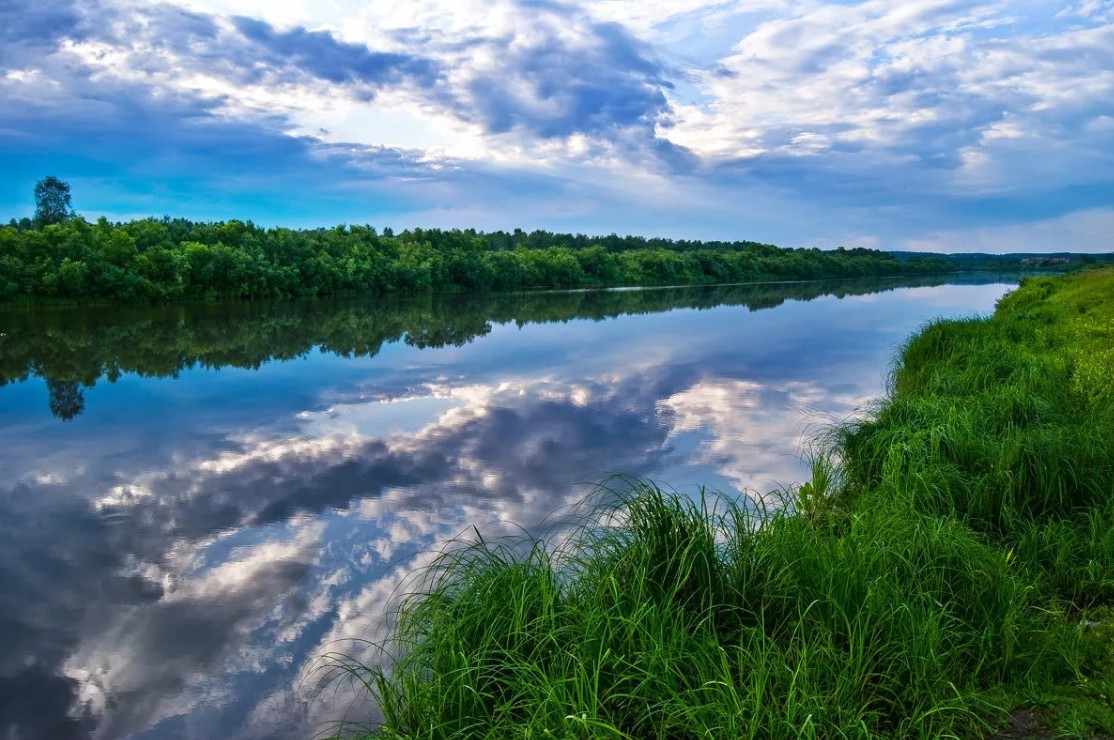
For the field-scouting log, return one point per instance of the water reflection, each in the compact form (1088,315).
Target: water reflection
(254,482)
(67,398)
(74,348)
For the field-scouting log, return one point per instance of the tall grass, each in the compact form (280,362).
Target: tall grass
(933,574)
(688,619)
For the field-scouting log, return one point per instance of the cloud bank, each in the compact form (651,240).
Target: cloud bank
(799,122)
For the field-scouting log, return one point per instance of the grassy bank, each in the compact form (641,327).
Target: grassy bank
(949,567)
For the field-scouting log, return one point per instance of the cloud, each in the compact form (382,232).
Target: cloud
(503,441)
(34,25)
(654,18)
(155,655)
(916,98)
(321,54)
(220,550)
(1086,231)
(562,73)
(784,120)
(748,423)
(43,596)
(176,98)
(546,70)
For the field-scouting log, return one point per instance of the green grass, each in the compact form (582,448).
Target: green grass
(950,561)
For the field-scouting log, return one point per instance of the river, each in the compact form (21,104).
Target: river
(199,502)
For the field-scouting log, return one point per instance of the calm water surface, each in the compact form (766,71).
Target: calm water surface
(198,502)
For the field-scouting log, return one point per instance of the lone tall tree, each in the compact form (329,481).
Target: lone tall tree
(52,201)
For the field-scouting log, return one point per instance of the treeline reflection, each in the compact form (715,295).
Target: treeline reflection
(72,349)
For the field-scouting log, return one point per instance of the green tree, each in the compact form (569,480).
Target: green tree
(52,201)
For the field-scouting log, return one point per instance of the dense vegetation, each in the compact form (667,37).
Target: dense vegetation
(1017,261)
(950,564)
(72,348)
(170,259)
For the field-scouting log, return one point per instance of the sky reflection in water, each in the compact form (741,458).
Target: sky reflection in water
(177,555)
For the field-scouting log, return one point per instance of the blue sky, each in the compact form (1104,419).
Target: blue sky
(921,124)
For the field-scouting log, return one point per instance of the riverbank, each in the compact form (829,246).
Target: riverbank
(949,565)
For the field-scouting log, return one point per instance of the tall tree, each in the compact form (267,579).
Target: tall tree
(52,201)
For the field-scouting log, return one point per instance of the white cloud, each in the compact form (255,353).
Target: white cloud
(134,658)
(1084,231)
(906,88)
(754,430)
(647,17)
(511,86)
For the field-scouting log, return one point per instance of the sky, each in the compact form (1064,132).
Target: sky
(929,125)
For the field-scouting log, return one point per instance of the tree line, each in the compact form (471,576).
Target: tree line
(60,255)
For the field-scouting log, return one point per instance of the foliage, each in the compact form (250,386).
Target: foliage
(1032,262)
(52,201)
(944,566)
(172,259)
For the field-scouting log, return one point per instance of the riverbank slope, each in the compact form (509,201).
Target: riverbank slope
(948,568)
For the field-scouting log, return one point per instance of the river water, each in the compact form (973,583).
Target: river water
(197,503)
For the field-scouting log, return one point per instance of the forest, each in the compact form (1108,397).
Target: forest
(169,259)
